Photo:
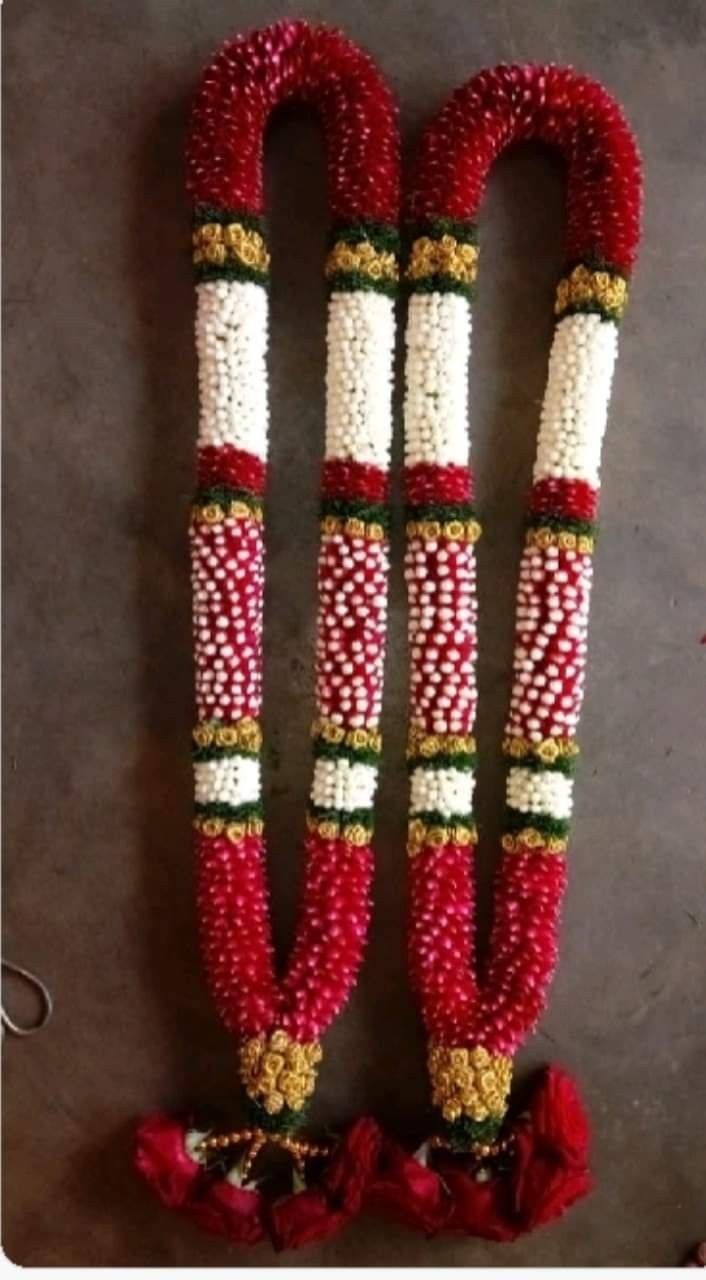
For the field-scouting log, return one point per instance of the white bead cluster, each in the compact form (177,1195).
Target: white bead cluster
(541,791)
(350,642)
(344,785)
(231,342)
(233,780)
(441,585)
(227,589)
(361,333)
(436,401)
(550,652)
(575,408)
(445,791)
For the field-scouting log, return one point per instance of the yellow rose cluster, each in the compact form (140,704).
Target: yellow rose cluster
(469,1082)
(278,1071)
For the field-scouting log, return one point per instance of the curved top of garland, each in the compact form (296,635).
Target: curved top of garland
(508,104)
(292,61)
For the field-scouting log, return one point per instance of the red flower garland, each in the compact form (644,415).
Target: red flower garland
(475,1024)
(279,1022)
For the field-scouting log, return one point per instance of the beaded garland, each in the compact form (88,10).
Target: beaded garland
(475,1023)
(279,1022)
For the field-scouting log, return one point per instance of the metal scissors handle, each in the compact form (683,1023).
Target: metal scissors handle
(46,1002)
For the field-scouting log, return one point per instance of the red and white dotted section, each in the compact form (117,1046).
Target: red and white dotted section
(550,643)
(350,643)
(441,587)
(227,587)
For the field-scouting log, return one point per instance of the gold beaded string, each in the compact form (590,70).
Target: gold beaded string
(299,1149)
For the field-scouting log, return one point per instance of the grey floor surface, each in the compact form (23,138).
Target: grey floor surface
(100,411)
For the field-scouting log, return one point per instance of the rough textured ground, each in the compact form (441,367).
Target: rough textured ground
(100,409)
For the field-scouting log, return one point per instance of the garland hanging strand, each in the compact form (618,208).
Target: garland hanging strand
(279,1023)
(475,1025)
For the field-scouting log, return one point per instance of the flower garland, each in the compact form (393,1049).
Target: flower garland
(480,1173)
(279,1023)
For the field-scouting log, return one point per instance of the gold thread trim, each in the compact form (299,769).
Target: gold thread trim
(584,287)
(217,245)
(456,530)
(469,1082)
(356,739)
(565,539)
(217,512)
(233,831)
(329,829)
(422,835)
(443,257)
(353,527)
(278,1071)
(429,745)
(245,735)
(535,841)
(548,750)
(363,259)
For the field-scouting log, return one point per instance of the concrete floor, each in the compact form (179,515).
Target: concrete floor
(100,399)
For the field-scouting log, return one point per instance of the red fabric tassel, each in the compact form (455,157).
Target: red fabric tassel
(549,1173)
(243,1214)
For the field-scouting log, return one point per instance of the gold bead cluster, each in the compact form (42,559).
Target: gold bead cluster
(469,1082)
(337,736)
(278,1071)
(548,751)
(430,745)
(421,835)
(361,259)
(217,245)
(444,257)
(241,735)
(455,530)
(584,287)
(565,539)
(531,838)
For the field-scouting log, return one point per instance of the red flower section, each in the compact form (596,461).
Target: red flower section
(428,482)
(507,104)
(574,499)
(319,1212)
(293,62)
(548,1174)
(227,1210)
(162,1160)
(354,481)
(234,925)
(523,949)
(442,891)
(224,464)
(331,933)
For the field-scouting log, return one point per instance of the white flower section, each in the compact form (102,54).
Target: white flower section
(233,780)
(361,334)
(446,791)
(231,343)
(540,791)
(576,399)
(341,784)
(438,341)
